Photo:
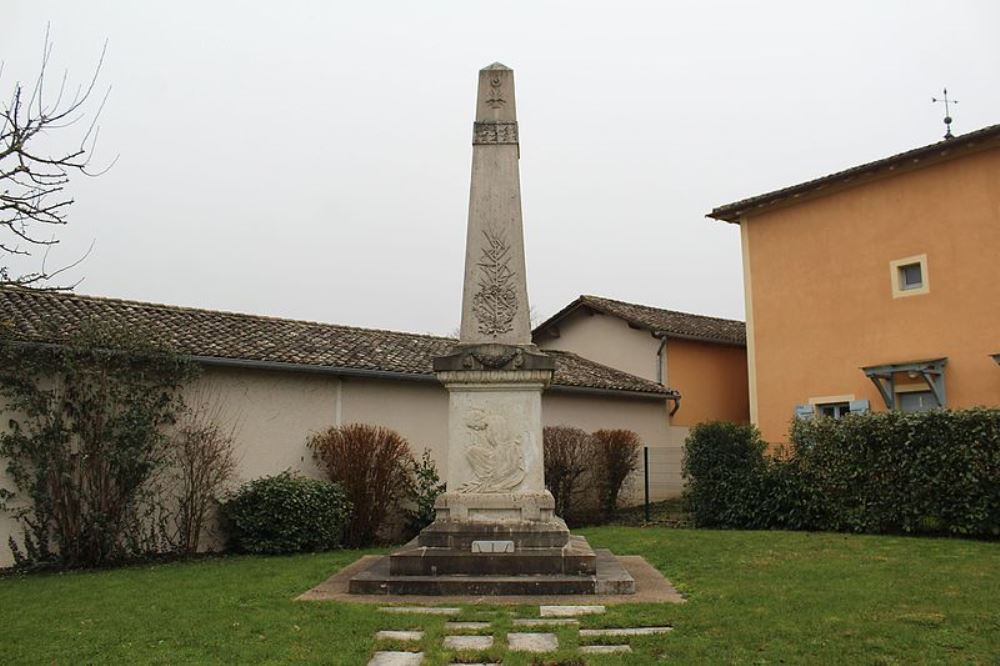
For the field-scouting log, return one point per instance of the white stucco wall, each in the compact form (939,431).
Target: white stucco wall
(275,412)
(608,340)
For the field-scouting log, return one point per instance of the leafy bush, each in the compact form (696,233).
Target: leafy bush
(723,465)
(928,472)
(617,457)
(931,472)
(372,465)
(425,487)
(286,514)
(85,442)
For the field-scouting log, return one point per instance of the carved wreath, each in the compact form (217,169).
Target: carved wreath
(494,454)
(495,304)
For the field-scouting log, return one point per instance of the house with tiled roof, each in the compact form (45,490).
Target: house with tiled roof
(276,381)
(875,287)
(702,358)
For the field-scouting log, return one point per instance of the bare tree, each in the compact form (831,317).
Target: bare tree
(203,461)
(33,179)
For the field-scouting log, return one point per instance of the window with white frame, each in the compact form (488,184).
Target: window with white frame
(909,276)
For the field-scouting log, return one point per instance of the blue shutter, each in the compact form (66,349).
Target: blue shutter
(804,411)
(860,406)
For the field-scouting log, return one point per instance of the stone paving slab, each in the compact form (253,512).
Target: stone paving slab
(626,631)
(421,610)
(468,642)
(397,659)
(390,635)
(531,642)
(651,587)
(462,626)
(544,622)
(604,649)
(570,611)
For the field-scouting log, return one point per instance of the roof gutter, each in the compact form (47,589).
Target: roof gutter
(386,374)
(252,364)
(662,337)
(622,393)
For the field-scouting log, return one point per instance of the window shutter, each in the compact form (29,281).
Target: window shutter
(860,406)
(804,411)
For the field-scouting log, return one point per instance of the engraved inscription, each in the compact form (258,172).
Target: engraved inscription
(495,100)
(494,454)
(494,132)
(495,304)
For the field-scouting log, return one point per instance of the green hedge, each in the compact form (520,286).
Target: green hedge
(934,472)
(286,514)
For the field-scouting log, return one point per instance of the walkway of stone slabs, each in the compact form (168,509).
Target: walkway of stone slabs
(531,639)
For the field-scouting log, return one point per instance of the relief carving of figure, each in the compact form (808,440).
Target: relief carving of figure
(494,454)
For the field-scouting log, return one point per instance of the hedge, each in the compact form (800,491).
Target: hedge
(286,513)
(935,472)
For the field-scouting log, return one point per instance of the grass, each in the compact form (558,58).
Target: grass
(754,598)
(665,513)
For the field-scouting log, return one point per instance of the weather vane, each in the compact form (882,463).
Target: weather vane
(947,112)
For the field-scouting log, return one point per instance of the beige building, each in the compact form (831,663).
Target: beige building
(702,358)
(280,380)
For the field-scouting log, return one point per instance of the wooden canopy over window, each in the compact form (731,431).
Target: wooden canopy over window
(931,371)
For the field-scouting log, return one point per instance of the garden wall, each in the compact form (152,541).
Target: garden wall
(274,412)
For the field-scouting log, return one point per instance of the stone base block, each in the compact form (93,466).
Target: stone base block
(496,507)
(575,558)
(610,578)
(460,535)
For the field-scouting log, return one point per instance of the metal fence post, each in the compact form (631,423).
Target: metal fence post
(645,466)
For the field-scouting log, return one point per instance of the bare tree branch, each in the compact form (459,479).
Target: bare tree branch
(32,181)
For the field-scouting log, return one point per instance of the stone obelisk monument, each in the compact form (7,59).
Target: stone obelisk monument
(495,376)
(495,531)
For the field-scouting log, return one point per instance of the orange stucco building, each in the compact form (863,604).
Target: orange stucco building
(877,287)
(702,358)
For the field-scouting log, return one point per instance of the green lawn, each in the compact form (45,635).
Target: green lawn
(754,598)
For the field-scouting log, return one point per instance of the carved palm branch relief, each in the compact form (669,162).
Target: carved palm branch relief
(495,304)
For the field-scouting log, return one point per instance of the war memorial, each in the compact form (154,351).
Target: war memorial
(496,532)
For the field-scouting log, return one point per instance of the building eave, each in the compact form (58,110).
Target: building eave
(917,158)
(584,302)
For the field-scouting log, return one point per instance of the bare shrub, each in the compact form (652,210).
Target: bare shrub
(616,458)
(372,464)
(202,455)
(568,455)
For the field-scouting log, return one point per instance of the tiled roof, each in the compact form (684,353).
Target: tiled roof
(658,320)
(917,157)
(50,317)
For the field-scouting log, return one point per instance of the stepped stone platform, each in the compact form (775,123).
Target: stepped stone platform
(650,587)
(509,557)
(610,578)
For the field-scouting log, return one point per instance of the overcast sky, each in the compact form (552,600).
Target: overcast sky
(311,159)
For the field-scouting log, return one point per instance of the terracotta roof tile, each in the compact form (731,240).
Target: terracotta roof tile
(658,320)
(50,317)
